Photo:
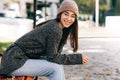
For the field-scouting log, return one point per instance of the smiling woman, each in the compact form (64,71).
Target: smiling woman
(43,47)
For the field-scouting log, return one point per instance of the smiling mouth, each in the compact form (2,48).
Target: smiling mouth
(67,23)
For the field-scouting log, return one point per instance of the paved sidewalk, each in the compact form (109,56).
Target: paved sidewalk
(92,32)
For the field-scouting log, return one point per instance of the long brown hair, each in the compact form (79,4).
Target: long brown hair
(71,32)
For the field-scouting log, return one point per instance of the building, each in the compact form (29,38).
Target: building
(26,7)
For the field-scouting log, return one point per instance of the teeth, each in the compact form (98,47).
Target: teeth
(66,22)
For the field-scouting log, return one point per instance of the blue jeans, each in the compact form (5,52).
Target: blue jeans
(34,67)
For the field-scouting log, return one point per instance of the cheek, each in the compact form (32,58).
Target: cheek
(62,20)
(73,20)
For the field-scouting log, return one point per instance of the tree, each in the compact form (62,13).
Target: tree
(117,7)
(86,6)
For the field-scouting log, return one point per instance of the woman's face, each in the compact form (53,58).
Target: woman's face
(67,19)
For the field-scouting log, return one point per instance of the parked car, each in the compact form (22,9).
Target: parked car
(12,13)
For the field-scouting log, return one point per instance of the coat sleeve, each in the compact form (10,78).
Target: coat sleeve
(54,56)
(66,59)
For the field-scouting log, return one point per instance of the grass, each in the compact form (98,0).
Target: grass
(4,46)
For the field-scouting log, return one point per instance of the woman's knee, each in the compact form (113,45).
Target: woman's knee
(57,72)
(57,68)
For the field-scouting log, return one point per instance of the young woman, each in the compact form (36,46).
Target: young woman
(38,53)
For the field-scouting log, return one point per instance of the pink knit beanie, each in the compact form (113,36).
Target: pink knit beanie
(68,5)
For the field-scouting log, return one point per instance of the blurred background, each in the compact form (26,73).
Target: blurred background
(99,33)
(48,8)
(18,17)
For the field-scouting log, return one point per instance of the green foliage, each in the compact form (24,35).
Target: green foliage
(117,8)
(104,8)
(3,46)
(103,5)
(86,6)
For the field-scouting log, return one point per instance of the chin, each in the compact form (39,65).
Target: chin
(66,26)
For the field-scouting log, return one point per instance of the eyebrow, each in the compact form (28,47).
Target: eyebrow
(68,12)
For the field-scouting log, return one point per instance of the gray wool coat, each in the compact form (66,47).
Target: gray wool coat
(42,41)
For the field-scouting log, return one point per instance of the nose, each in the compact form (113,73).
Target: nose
(69,17)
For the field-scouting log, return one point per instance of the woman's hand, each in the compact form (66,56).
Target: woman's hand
(85,59)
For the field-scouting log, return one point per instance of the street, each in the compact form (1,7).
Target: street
(104,60)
